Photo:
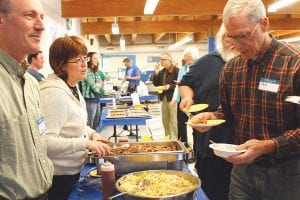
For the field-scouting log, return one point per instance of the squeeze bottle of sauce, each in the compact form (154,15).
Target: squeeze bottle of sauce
(108,179)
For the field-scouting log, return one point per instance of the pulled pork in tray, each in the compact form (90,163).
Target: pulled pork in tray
(145,148)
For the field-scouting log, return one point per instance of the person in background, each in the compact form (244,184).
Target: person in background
(166,77)
(25,170)
(253,89)
(92,89)
(200,85)
(68,136)
(190,55)
(132,75)
(36,61)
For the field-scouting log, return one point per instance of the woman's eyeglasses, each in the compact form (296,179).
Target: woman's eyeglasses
(79,61)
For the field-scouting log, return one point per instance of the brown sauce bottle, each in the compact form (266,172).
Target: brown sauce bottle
(108,178)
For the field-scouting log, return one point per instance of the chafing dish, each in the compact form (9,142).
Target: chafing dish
(148,161)
(138,192)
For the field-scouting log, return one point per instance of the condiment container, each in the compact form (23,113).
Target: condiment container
(108,178)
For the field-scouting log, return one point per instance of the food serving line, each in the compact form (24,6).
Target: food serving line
(157,159)
(163,156)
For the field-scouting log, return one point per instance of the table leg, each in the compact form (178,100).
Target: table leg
(137,133)
(115,133)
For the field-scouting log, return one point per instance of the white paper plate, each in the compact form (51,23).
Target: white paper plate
(225,150)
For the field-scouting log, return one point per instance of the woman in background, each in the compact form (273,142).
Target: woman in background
(92,89)
(67,136)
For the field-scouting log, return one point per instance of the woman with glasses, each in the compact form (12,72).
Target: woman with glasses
(166,78)
(92,89)
(67,136)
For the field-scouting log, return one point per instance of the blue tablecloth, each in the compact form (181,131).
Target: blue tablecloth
(120,121)
(88,188)
(150,97)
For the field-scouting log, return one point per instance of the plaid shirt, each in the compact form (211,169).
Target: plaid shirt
(264,115)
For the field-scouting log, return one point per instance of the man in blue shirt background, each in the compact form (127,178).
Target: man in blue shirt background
(132,75)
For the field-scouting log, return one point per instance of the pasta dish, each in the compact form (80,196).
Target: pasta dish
(156,184)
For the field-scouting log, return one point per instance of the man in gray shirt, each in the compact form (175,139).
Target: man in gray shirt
(25,170)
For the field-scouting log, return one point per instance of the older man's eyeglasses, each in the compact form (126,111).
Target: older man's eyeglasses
(79,60)
(241,38)
(162,59)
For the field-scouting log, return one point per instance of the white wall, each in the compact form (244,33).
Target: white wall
(143,51)
(56,26)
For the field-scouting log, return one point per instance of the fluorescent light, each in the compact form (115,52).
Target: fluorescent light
(292,39)
(115,28)
(181,42)
(280,4)
(150,6)
(122,43)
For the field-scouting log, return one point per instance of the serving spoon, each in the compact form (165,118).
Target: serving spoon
(123,146)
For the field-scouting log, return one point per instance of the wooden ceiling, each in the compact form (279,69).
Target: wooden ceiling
(171,21)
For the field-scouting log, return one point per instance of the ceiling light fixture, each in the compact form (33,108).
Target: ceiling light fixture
(115,27)
(122,43)
(150,6)
(181,42)
(278,4)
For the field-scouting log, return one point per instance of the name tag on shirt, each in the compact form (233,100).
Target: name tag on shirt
(41,124)
(268,85)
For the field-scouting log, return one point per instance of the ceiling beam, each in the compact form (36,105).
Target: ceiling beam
(105,8)
(108,38)
(119,8)
(284,24)
(295,34)
(281,33)
(180,36)
(200,36)
(133,38)
(158,36)
(140,27)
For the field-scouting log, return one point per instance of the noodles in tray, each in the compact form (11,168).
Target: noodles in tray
(157,184)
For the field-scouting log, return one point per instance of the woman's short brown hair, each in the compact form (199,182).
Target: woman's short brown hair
(62,50)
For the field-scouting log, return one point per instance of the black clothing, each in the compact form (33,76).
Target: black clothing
(62,186)
(181,117)
(215,177)
(203,79)
(165,77)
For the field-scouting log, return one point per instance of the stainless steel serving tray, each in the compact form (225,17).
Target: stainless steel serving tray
(148,161)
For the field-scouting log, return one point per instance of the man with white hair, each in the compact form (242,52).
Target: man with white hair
(253,89)
(200,85)
(190,55)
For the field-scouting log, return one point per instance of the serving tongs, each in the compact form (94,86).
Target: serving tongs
(122,146)
(142,185)
(114,147)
